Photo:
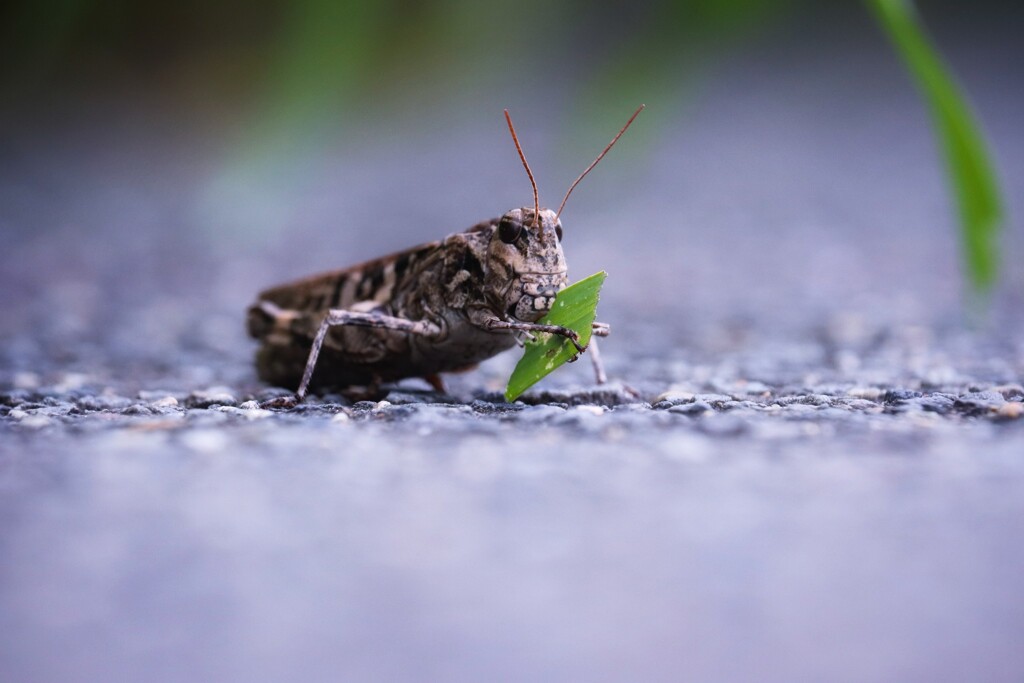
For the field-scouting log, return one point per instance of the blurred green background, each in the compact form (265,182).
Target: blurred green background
(283,75)
(275,87)
(308,60)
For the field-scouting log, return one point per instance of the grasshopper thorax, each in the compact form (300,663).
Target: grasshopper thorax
(525,264)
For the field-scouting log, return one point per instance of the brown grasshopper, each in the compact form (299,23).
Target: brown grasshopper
(440,307)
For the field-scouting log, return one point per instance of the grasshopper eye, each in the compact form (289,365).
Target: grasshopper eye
(558,232)
(509,231)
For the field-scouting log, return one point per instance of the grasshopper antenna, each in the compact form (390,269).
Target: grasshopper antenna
(536,197)
(591,167)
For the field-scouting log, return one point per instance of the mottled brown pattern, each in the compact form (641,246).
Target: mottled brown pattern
(460,287)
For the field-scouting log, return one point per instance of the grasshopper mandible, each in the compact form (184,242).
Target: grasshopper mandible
(439,307)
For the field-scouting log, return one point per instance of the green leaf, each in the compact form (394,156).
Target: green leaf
(967,159)
(575,307)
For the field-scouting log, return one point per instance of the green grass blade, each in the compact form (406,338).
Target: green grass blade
(575,307)
(967,159)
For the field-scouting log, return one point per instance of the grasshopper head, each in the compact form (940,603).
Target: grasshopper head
(526,266)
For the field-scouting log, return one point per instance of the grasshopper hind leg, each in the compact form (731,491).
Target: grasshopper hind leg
(294,344)
(340,317)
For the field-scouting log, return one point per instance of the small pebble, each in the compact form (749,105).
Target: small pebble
(1010,411)
(248,413)
(867,393)
(1010,391)
(979,403)
(484,407)
(895,395)
(587,410)
(153,396)
(692,409)
(210,397)
(137,409)
(101,402)
(713,400)
(674,398)
(935,403)
(607,395)
(861,404)
(408,398)
(165,402)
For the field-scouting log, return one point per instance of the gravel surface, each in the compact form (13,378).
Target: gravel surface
(754,532)
(807,465)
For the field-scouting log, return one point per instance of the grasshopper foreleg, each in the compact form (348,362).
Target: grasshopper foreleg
(496,324)
(595,360)
(599,330)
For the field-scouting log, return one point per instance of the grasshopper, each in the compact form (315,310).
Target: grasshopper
(440,307)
